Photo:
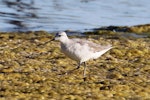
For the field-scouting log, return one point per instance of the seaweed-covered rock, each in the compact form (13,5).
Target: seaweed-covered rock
(32,67)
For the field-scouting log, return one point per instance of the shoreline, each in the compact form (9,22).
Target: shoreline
(141,28)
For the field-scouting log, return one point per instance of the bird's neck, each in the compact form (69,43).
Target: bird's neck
(65,40)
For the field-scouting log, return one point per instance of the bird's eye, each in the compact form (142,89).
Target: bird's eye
(59,35)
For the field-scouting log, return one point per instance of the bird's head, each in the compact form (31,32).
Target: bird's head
(61,36)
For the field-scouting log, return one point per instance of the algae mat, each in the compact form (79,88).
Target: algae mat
(32,69)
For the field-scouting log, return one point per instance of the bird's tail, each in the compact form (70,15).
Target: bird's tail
(98,54)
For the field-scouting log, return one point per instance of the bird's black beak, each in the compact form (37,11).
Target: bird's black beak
(53,39)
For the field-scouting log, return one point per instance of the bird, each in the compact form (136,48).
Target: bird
(80,50)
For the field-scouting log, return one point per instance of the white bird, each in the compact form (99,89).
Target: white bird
(80,50)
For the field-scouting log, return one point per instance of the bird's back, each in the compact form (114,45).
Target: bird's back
(83,50)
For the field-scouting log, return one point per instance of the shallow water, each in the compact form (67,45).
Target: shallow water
(77,15)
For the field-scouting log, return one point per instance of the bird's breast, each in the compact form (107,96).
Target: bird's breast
(69,51)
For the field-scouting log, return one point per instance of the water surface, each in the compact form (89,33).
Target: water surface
(76,15)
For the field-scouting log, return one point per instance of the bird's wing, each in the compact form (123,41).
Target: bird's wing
(93,46)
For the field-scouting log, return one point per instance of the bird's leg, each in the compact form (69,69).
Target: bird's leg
(78,66)
(70,71)
(75,68)
(84,72)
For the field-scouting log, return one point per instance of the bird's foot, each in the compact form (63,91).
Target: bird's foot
(78,67)
(84,78)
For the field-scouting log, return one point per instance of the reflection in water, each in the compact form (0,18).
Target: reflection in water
(23,11)
(77,15)
(57,5)
(86,1)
